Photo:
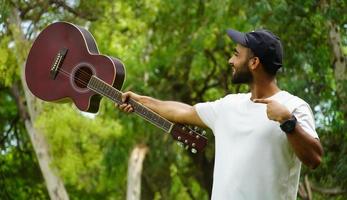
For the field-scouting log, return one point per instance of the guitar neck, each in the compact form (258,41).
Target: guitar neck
(106,90)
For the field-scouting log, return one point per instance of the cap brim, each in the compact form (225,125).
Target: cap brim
(237,36)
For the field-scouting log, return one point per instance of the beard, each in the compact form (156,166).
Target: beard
(242,75)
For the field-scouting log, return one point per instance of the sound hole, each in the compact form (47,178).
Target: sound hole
(82,76)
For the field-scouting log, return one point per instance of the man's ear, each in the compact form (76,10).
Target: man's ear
(254,63)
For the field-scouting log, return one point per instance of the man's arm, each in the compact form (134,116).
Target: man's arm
(308,149)
(170,110)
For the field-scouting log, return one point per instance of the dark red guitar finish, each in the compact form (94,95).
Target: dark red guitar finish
(82,57)
(64,63)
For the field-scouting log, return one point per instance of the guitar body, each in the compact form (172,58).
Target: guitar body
(61,61)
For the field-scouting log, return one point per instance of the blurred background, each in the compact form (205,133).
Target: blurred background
(173,50)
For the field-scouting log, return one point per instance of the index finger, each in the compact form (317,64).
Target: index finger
(265,101)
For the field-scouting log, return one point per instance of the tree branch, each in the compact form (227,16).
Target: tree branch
(62,4)
(308,188)
(328,191)
(19,101)
(305,190)
(206,85)
(12,125)
(302,192)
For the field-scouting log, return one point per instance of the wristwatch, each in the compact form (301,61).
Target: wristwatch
(289,125)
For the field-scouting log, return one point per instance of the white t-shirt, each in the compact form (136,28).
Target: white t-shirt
(253,158)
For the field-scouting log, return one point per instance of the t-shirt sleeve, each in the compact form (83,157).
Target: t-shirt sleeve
(304,115)
(208,112)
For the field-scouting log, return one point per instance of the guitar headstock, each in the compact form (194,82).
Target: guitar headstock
(189,138)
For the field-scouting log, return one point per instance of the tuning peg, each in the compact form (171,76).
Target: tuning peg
(196,128)
(186,147)
(193,150)
(203,132)
(180,144)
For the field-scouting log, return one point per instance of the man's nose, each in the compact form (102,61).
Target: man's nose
(230,61)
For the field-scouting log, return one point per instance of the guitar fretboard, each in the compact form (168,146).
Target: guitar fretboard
(104,89)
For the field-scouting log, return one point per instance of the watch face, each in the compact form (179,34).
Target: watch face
(289,125)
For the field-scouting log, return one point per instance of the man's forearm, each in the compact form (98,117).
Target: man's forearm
(171,110)
(307,148)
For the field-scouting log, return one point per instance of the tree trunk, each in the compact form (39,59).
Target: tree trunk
(134,172)
(340,64)
(28,110)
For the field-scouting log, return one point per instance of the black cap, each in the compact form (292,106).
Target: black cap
(264,44)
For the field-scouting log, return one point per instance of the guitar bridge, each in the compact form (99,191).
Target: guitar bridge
(57,62)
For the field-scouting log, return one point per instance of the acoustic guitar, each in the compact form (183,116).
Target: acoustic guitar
(64,63)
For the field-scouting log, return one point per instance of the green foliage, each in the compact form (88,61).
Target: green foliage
(9,71)
(175,50)
(80,148)
(20,176)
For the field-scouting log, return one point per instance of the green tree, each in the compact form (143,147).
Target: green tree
(175,50)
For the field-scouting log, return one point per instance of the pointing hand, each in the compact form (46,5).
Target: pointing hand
(274,110)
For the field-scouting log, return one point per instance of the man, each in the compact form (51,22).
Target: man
(260,136)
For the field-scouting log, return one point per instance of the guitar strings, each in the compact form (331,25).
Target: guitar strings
(82,81)
(84,75)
